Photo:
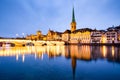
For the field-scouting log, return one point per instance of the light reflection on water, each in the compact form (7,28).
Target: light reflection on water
(76,54)
(79,52)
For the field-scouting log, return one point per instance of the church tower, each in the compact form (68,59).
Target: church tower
(73,23)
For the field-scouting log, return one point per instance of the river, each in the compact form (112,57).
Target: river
(60,63)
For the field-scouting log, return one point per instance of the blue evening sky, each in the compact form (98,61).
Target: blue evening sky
(28,16)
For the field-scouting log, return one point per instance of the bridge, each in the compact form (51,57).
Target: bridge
(19,42)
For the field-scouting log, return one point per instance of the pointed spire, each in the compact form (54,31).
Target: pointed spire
(73,15)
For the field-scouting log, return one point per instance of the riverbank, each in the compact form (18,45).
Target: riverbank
(95,44)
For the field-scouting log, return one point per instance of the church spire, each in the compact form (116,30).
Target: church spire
(73,23)
(73,15)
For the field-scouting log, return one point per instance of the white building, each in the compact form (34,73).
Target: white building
(96,36)
(111,36)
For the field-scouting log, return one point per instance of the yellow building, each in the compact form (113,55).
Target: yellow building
(66,35)
(38,36)
(51,35)
(81,36)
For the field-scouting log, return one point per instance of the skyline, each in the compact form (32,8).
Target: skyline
(28,16)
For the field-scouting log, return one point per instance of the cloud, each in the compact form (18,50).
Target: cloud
(28,16)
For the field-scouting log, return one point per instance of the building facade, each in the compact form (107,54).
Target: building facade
(37,36)
(96,36)
(52,35)
(66,36)
(81,36)
(111,36)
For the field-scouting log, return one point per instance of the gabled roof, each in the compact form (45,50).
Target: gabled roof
(67,31)
(82,30)
(58,32)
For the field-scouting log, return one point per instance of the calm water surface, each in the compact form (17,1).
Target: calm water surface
(60,63)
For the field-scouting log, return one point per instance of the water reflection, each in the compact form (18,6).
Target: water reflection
(73,62)
(73,52)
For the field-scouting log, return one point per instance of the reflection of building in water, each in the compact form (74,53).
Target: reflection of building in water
(54,51)
(73,60)
(74,52)
(80,52)
(113,51)
(17,57)
(86,53)
(104,51)
(77,52)
(113,54)
(23,58)
(117,54)
(38,51)
(107,52)
(95,52)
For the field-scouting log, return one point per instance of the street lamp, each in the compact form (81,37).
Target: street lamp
(23,35)
(17,35)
